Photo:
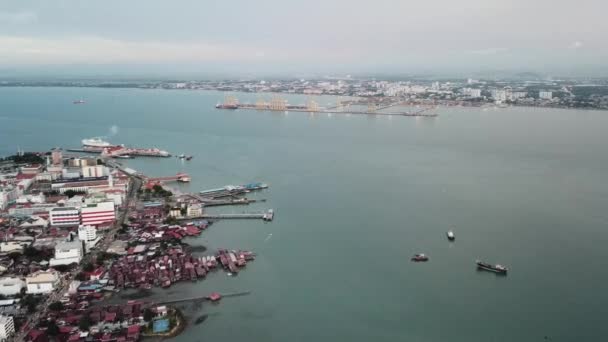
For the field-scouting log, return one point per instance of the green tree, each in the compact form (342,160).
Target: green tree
(52,329)
(81,276)
(85,323)
(157,188)
(148,315)
(56,306)
(88,267)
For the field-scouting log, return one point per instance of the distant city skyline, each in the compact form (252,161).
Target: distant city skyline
(272,36)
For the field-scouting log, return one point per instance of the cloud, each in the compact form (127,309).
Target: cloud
(18,18)
(92,49)
(489,51)
(576,45)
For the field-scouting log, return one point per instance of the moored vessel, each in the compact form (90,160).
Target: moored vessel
(420,257)
(451,235)
(500,269)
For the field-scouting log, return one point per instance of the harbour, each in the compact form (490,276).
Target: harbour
(513,199)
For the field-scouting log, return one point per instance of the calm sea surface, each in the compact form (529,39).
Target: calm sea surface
(356,197)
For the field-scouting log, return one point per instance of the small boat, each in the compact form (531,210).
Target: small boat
(420,257)
(188,157)
(78,102)
(451,235)
(181,156)
(500,269)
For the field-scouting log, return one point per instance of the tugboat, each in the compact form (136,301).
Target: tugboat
(451,235)
(420,257)
(500,269)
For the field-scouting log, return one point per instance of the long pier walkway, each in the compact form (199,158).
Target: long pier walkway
(224,295)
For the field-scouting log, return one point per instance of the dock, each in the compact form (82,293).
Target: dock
(279,106)
(191,299)
(266,216)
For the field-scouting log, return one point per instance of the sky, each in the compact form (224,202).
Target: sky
(291,36)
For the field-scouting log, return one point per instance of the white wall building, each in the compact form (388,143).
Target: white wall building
(10,286)
(64,217)
(7,327)
(471,92)
(98,213)
(42,281)
(194,210)
(94,171)
(545,95)
(87,233)
(67,253)
(11,247)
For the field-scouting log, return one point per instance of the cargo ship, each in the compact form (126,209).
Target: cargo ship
(491,268)
(227,106)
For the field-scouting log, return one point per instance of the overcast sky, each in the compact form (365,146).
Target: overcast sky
(308,35)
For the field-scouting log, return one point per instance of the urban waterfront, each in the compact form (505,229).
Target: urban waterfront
(356,197)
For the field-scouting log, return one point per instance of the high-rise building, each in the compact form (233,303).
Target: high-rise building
(64,217)
(98,213)
(7,327)
(87,233)
(57,157)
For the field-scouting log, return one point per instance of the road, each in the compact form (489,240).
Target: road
(66,279)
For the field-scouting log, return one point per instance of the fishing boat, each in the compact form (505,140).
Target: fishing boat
(420,257)
(500,269)
(451,235)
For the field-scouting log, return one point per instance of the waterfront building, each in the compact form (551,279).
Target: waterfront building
(471,92)
(195,210)
(57,157)
(545,95)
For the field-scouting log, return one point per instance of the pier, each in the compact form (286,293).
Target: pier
(279,105)
(191,299)
(266,216)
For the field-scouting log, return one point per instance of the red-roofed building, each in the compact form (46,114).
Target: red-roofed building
(37,336)
(110,317)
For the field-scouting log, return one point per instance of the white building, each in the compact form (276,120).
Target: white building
(10,286)
(545,95)
(42,281)
(499,95)
(518,95)
(64,217)
(471,92)
(94,171)
(98,213)
(194,210)
(7,327)
(67,253)
(11,247)
(87,233)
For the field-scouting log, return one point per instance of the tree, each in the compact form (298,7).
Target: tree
(30,251)
(56,306)
(52,329)
(30,302)
(148,314)
(157,188)
(85,323)
(81,276)
(88,267)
